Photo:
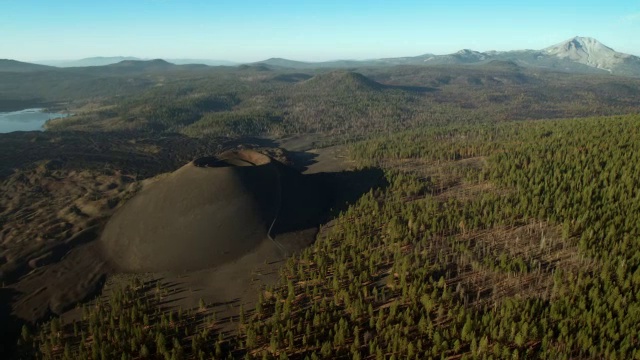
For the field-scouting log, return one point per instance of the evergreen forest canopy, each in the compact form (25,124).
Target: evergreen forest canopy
(264,100)
(509,226)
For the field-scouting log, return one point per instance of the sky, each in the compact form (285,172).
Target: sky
(250,30)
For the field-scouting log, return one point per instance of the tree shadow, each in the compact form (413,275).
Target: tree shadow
(11,325)
(309,200)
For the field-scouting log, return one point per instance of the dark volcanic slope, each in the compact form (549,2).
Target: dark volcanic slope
(209,212)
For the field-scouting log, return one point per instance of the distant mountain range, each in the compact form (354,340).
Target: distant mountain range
(93,61)
(579,55)
(124,67)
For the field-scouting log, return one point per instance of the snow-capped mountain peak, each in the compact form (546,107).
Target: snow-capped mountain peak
(588,51)
(470,54)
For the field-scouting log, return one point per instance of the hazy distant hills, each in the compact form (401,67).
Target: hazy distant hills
(140,66)
(93,61)
(293,64)
(124,67)
(7,65)
(103,61)
(577,55)
(202,62)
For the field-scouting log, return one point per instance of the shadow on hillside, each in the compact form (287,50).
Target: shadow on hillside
(302,160)
(10,329)
(313,199)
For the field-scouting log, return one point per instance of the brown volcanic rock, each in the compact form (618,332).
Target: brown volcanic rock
(207,213)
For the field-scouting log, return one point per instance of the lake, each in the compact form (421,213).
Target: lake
(25,120)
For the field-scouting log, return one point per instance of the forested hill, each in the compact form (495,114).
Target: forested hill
(340,103)
(516,240)
(17,66)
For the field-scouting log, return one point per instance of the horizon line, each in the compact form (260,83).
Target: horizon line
(240,62)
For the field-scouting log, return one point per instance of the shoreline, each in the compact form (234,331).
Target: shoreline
(8,106)
(29,119)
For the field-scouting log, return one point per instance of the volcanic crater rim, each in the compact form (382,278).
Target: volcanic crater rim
(233,159)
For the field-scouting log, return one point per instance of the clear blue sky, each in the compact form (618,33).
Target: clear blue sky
(253,30)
